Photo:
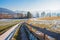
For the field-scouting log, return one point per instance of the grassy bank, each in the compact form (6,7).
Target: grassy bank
(4,26)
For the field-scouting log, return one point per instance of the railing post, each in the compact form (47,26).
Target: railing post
(44,34)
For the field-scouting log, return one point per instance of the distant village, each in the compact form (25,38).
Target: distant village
(15,15)
(27,15)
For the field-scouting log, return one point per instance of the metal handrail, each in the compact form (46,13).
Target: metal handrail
(9,34)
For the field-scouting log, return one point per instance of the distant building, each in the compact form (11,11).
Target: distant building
(19,15)
(6,16)
(25,15)
(43,14)
(37,15)
(54,14)
(48,15)
(0,15)
(58,14)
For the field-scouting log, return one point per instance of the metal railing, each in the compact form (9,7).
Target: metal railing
(9,34)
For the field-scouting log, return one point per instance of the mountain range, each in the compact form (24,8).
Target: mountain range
(6,11)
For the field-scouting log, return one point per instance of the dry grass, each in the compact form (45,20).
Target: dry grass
(45,18)
(4,26)
(41,35)
(49,18)
(47,26)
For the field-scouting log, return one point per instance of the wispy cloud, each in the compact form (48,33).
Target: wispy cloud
(31,5)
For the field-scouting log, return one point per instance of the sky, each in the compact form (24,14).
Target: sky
(31,5)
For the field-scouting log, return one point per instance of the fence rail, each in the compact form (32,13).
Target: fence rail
(9,34)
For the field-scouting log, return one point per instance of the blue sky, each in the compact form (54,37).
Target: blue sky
(30,5)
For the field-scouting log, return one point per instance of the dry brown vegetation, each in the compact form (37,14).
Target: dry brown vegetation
(49,18)
(47,26)
(41,35)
